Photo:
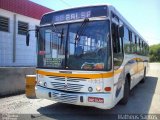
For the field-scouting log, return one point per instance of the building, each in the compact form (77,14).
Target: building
(16,17)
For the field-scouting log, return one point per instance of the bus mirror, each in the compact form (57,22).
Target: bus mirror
(27,38)
(121,31)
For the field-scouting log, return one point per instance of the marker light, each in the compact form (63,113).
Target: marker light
(108,89)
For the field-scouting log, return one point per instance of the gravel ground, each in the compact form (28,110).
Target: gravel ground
(144,99)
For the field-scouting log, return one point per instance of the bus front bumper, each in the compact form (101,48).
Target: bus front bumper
(99,100)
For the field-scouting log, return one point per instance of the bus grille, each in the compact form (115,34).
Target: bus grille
(67,87)
(67,83)
(68,79)
(65,98)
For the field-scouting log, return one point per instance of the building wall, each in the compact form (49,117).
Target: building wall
(24,55)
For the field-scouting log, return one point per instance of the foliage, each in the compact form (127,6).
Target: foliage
(154,53)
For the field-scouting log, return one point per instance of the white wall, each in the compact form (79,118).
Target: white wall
(25,56)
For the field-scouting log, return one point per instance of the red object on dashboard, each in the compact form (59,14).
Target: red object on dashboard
(41,52)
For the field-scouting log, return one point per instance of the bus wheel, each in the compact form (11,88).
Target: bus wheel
(124,100)
(144,76)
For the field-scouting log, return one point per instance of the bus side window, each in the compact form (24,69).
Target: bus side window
(126,40)
(130,39)
(142,53)
(138,45)
(135,44)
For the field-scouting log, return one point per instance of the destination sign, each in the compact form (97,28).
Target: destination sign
(74,14)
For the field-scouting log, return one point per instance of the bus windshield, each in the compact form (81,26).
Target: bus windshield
(75,46)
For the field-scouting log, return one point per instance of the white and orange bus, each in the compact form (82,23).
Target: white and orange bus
(89,56)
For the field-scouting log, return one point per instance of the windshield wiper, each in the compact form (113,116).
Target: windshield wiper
(54,28)
(81,30)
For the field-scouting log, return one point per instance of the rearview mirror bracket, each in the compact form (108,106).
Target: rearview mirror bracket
(28,35)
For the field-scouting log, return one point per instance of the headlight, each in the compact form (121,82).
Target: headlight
(98,88)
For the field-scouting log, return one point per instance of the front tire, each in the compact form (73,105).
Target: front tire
(125,98)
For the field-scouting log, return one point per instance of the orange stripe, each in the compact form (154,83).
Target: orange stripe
(89,76)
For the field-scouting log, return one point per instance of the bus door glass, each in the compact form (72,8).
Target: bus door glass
(117,41)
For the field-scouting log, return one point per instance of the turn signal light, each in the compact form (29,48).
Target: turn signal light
(108,89)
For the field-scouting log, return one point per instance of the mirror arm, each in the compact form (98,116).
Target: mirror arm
(28,35)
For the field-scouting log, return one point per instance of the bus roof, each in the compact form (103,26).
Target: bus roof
(109,9)
(75,14)
(85,6)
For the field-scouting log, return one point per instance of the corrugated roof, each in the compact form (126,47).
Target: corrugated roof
(24,7)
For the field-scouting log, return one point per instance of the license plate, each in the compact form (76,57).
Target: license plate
(95,99)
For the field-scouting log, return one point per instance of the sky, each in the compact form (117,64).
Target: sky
(143,15)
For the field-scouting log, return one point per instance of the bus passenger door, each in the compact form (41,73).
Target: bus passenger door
(117,59)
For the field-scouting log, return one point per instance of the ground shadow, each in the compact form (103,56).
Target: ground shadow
(139,103)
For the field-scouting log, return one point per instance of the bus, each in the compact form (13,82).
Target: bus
(88,56)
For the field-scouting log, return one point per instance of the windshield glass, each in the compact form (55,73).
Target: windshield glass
(75,47)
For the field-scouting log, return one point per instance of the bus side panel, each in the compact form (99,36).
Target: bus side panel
(119,81)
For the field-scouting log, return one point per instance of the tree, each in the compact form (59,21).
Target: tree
(154,53)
